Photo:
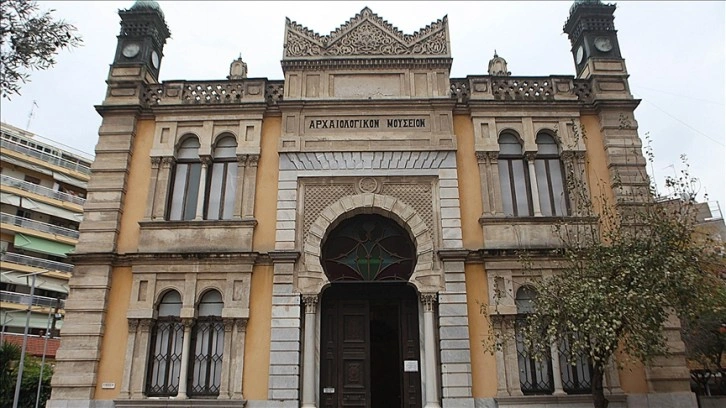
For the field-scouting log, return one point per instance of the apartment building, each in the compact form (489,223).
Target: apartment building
(42,193)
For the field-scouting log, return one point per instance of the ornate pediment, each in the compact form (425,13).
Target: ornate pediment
(366,35)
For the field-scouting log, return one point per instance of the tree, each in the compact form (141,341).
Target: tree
(29,40)
(9,359)
(639,266)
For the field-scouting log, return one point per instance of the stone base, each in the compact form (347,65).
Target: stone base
(556,401)
(458,403)
(663,400)
(79,404)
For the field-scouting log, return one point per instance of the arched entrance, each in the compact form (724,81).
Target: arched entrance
(369,317)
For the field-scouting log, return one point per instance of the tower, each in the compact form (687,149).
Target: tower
(141,41)
(594,39)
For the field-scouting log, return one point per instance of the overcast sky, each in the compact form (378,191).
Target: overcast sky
(674,53)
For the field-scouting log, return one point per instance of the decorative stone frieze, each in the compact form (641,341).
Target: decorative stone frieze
(366,34)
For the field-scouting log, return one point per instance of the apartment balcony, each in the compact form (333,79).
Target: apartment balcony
(25,299)
(36,262)
(40,190)
(38,226)
(48,158)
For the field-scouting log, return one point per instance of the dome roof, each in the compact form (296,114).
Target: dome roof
(577,3)
(147,5)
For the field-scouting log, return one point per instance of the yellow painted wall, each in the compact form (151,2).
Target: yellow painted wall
(632,377)
(483,364)
(113,348)
(137,188)
(257,341)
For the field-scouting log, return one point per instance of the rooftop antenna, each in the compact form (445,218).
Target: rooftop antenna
(30,115)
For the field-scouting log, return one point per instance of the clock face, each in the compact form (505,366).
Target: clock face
(131,50)
(580,53)
(603,44)
(155,59)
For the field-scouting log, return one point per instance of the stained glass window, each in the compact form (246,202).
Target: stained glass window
(368,247)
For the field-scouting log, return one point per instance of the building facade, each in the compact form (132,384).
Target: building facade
(42,192)
(345,236)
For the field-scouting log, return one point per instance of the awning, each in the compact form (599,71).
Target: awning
(69,180)
(41,282)
(42,245)
(26,165)
(17,318)
(49,209)
(10,199)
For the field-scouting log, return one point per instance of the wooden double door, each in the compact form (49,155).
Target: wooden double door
(370,346)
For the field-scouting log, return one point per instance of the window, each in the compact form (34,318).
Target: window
(576,375)
(550,180)
(166,348)
(513,177)
(223,180)
(208,347)
(535,377)
(185,187)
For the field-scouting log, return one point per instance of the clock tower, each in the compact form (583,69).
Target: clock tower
(594,39)
(141,41)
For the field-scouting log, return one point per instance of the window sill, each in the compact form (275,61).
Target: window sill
(541,219)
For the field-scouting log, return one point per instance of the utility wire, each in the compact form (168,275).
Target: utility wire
(685,124)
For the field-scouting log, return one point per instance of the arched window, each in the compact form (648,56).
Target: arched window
(222,180)
(550,179)
(368,247)
(535,377)
(513,177)
(166,348)
(185,188)
(207,346)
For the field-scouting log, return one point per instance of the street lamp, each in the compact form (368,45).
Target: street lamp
(21,366)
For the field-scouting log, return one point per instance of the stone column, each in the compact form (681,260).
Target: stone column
(161,191)
(556,371)
(129,359)
(498,322)
(155,163)
(486,187)
(612,377)
(184,368)
(308,390)
(534,189)
(240,332)
(432,397)
(139,360)
(224,386)
(250,182)
(495,187)
(241,166)
(202,194)
(511,360)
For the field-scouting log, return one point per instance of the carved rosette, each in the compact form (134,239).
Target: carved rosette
(428,300)
(311,303)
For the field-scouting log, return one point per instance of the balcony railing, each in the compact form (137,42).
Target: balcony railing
(40,190)
(38,226)
(36,262)
(48,158)
(24,299)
